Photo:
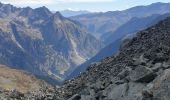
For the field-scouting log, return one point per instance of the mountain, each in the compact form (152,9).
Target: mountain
(17,84)
(48,45)
(101,24)
(133,26)
(139,72)
(70,13)
(123,33)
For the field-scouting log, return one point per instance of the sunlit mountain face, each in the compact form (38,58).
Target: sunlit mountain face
(45,44)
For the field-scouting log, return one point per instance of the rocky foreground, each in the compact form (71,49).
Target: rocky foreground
(141,71)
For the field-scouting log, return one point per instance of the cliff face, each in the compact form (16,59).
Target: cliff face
(45,44)
(139,72)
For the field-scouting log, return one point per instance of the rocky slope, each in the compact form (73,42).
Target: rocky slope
(139,72)
(101,24)
(124,32)
(17,84)
(45,44)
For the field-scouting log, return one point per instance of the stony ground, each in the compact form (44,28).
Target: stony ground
(19,85)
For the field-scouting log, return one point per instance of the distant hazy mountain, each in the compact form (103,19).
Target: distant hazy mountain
(43,43)
(102,23)
(132,26)
(69,13)
(126,31)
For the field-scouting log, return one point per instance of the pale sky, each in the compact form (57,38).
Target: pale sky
(90,5)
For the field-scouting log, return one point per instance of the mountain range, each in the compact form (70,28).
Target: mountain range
(105,24)
(116,55)
(140,71)
(113,39)
(54,48)
(48,45)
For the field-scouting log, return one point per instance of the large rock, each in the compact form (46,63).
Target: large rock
(142,74)
(126,91)
(140,61)
(161,86)
(75,97)
(124,73)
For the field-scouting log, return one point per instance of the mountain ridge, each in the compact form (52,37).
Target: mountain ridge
(101,23)
(46,44)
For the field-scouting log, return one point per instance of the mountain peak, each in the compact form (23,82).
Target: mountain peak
(43,8)
(43,11)
(1,3)
(57,16)
(26,11)
(38,13)
(8,8)
(158,3)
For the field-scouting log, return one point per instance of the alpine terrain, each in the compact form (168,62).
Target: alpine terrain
(109,55)
(139,72)
(48,45)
